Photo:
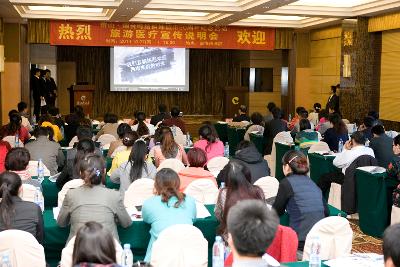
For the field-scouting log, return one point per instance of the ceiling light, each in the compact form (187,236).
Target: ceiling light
(336,3)
(276,17)
(66,9)
(172,13)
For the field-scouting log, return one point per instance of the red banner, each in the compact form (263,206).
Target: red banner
(88,33)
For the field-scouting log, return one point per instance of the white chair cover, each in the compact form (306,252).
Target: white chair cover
(350,128)
(28,193)
(335,196)
(11,140)
(216,164)
(106,139)
(174,164)
(320,146)
(66,254)
(282,137)
(23,248)
(179,136)
(335,235)
(33,168)
(180,245)
(67,186)
(73,141)
(203,190)
(392,134)
(395,216)
(138,192)
(269,185)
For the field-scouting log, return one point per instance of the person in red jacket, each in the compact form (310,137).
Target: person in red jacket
(4,148)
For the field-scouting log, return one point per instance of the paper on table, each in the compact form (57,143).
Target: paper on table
(357,260)
(54,177)
(202,211)
(372,169)
(56,211)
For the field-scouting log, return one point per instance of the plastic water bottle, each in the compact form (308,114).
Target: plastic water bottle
(188,139)
(127,256)
(340,145)
(367,143)
(226,150)
(38,199)
(62,132)
(5,260)
(101,149)
(222,185)
(218,252)
(40,171)
(16,140)
(315,253)
(34,120)
(290,117)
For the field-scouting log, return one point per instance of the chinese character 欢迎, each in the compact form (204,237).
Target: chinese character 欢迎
(243,37)
(258,37)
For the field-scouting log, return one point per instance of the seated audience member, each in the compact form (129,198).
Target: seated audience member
(374,114)
(270,116)
(84,132)
(175,120)
(47,121)
(391,245)
(15,127)
(303,116)
(337,132)
(306,136)
(257,123)
(74,157)
(313,116)
(73,121)
(16,213)
(324,123)
(110,126)
(247,153)
(209,142)
(94,244)
(143,128)
(162,115)
(197,160)
(272,128)
(4,148)
(17,161)
(299,196)
(242,114)
(92,201)
(168,207)
(50,152)
(156,139)
(382,145)
(393,169)
(122,129)
(135,168)
(366,127)
(168,148)
(352,149)
(295,120)
(23,112)
(57,117)
(238,186)
(251,229)
(123,156)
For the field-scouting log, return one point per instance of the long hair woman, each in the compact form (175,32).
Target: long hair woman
(15,127)
(337,132)
(209,142)
(299,196)
(123,155)
(238,187)
(142,128)
(135,168)
(16,213)
(168,207)
(92,201)
(94,244)
(168,148)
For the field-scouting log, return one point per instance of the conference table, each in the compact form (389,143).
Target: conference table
(299,264)
(280,150)
(320,164)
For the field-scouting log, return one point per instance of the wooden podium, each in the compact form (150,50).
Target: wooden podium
(234,97)
(82,95)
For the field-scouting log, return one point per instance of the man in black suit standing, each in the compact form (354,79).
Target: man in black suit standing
(37,89)
(51,89)
(333,100)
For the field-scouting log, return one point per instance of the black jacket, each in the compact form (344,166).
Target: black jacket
(382,146)
(271,129)
(159,117)
(254,161)
(334,101)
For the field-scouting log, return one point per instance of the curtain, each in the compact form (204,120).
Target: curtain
(38,31)
(284,39)
(210,71)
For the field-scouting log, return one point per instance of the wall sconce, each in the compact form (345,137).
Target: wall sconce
(1,58)
(346,66)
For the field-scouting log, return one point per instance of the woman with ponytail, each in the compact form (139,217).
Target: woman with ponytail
(16,213)
(143,128)
(123,155)
(168,207)
(168,148)
(299,196)
(135,168)
(209,142)
(15,127)
(93,201)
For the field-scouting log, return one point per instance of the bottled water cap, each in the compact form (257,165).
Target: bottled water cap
(218,238)
(127,246)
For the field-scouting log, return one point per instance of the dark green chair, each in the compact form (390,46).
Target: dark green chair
(235,135)
(258,141)
(222,131)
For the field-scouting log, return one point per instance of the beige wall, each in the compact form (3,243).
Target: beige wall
(390,79)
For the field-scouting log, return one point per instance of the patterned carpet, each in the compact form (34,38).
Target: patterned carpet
(364,243)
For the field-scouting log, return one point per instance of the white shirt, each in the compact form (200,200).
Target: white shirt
(151,128)
(26,124)
(345,158)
